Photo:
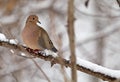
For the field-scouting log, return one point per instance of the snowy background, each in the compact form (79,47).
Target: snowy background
(97,18)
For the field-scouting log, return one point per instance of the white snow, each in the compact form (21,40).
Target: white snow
(23,54)
(12,51)
(49,52)
(13,41)
(2,37)
(97,68)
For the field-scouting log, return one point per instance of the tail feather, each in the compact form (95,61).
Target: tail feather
(54,49)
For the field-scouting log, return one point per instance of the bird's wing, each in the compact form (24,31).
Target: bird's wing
(41,43)
(44,40)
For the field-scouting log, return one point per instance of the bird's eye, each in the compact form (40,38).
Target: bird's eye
(33,18)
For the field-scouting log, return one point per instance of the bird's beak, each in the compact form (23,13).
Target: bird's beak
(39,22)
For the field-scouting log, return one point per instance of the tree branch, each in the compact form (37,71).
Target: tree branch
(66,63)
(71,35)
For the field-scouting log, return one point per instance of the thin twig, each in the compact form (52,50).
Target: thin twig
(118,1)
(86,3)
(41,70)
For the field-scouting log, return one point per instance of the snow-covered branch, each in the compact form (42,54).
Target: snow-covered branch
(82,65)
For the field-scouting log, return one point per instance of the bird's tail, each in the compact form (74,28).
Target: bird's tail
(54,49)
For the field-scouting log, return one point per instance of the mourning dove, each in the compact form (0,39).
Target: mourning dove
(35,36)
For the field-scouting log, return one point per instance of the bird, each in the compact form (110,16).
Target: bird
(35,37)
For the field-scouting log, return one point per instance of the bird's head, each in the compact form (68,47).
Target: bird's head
(33,19)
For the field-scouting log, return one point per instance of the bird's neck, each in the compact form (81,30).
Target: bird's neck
(32,26)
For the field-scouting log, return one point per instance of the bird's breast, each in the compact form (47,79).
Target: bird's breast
(30,38)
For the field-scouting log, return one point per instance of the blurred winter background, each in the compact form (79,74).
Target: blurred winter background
(97,34)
